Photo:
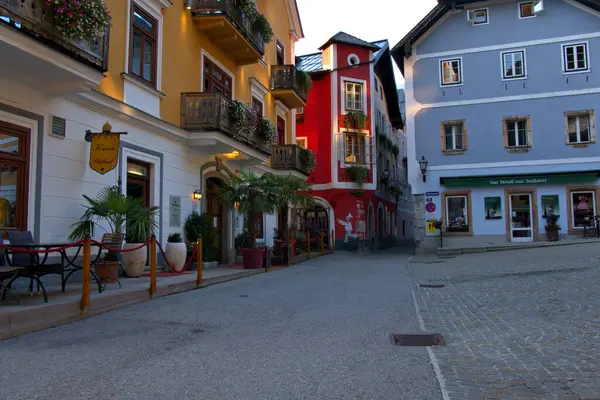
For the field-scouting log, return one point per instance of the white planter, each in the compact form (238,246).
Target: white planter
(134,262)
(176,253)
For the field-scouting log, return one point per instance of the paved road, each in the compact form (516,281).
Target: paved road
(320,330)
(519,325)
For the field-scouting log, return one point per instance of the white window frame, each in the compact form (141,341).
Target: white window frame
(362,82)
(460,72)
(578,132)
(516,126)
(572,210)
(524,66)
(259,91)
(519,13)
(355,58)
(454,137)
(564,48)
(341,141)
(364,147)
(466,210)
(487,16)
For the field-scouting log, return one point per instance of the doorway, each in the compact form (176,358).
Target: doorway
(138,181)
(280,130)
(380,226)
(521,213)
(215,212)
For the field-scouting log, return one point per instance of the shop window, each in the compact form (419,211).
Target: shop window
(457,215)
(14,176)
(583,208)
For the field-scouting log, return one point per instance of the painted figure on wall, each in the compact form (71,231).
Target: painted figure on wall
(347,224)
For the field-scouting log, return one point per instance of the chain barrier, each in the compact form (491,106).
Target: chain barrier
(45,251)
(171,268)
(105,247)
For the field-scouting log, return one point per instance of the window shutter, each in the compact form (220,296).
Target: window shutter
(342,147)
(529,132)
(58,128)
(465,141)
(567,127)
(592,126)
(442,138)
(505,131)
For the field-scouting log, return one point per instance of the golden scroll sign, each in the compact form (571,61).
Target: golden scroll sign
(104,149)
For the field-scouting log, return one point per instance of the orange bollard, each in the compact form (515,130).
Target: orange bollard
(332,241)
(322,234)
(199,263)
(308,243)
(292,246)
(85,274)
(152,265)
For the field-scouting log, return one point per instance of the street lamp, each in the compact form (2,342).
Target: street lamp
(423,164)
(197,195)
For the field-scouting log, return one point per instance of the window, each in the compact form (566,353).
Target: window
(143,52)
(583,208)
(353,59)
(453,136)
(355,149)
(280,130)
(517,132)
(513,65)
(14,176)
(526,10)
(478,17)
(302,142)
(580,127)
(138,181)
(456,214)
(216,80)
(280,50)
(451,72)
(300,111)
(354,96)
(257,106)
(575,57)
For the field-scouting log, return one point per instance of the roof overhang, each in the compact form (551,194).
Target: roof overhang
(296,30)
(385,71)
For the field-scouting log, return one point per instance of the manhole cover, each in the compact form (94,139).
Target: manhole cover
(432,285)
(244,295)
(434,339)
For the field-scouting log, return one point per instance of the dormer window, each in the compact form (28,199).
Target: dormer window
(526,10)
(478,17)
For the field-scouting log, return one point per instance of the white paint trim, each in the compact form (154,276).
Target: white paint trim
(487,15)
(353,56)
(441,72)
(335,100)
(293,117)
(32,125)
(258,91)
(343,185)
(516,164)
(582,7)
(507,98)
(146,88)
(305,138)
(587,57)
(281,109)
(411,109)
(156,167)
(371,151)
(524,61)
(519,10)
(362,82)
(204,53)
(560,39)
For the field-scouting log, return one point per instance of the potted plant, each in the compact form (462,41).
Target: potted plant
(355,120)
(176,251)
(80,20)
(308,159)
(437,224)
(141,222)
(114,209)
(358,174)
(304,80)
(552,228)
(261,194)
(267,131)
(263,27)
(199,226)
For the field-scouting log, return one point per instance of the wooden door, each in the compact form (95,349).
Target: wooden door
(214,209)
(280,130)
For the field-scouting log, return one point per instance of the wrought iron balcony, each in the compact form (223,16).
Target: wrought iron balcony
(228,28)
(209,112)
(34,19)
(287,157)
(287,87)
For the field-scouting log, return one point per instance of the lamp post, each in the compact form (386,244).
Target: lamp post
(423,164)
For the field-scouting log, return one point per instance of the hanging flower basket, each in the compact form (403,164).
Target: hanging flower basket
(80,19)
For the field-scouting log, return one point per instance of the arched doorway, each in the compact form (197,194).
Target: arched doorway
(315,219)
(218,216)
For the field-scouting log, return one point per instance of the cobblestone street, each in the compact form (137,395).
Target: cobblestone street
(517,325)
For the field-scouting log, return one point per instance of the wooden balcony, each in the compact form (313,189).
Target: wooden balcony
(34,19)
(286,157)
(285,86)
(209,112)
(229,29)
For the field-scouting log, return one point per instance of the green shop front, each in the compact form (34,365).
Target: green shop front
(496,209)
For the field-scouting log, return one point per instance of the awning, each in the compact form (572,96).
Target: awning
(513,180)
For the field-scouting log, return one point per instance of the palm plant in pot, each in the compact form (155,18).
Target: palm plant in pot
(141,222)
(254,195)
(176,251)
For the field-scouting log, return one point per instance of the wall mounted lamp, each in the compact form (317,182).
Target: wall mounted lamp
(423,164)
(197,195)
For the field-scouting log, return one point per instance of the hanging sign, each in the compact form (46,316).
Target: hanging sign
(104,149)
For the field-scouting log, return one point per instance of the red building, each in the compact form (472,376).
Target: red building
(350,122)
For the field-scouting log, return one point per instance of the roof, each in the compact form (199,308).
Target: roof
(403,47)
(310,62)
(343,37)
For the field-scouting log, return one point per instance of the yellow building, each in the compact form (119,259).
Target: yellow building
(169,74)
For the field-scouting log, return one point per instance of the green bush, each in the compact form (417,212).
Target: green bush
(199,226)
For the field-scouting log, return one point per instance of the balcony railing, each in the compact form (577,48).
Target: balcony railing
(34,18)
(210,112)
(286,77)
(287,157)
(232,12)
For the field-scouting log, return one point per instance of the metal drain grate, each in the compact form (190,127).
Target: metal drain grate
(432,285)
(434,339)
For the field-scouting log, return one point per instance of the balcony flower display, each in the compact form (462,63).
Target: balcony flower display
(267,131)
(243,117)
(80,19)
(308,158)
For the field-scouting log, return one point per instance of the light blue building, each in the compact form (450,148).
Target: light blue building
(500,109)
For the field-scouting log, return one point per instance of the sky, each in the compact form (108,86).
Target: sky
(369,20)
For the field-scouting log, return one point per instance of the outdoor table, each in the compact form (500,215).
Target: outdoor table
(68,264)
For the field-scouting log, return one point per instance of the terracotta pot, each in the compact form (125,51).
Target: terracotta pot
(134,262)
(552,236)
(176,254)
(253,258)
(107,271)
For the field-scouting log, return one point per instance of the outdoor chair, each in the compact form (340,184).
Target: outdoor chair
(6,273)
